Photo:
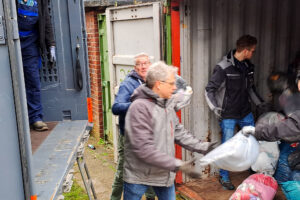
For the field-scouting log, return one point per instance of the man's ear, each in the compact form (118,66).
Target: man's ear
(157,84)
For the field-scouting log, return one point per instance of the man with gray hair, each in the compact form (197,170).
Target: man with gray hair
(121,104)
(151,128)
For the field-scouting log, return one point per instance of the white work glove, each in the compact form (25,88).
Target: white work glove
(218,112)
(188,168)
(52,57)
(248,130)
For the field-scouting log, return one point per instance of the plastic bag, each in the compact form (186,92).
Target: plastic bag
(283,172)
(256,187)
(291,189)
(236,154)
(267,158)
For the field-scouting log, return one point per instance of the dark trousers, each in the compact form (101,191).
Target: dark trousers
(31,64)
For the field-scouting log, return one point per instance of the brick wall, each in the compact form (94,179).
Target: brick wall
(95,71)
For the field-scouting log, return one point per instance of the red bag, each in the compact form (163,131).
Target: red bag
(256,187)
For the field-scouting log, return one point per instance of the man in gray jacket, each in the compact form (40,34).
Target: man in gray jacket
(151,128)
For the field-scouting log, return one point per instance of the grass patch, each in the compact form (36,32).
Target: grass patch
(76,193)
(101,142)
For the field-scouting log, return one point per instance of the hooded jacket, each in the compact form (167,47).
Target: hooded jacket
(151,128)
(231,88)
(122,99)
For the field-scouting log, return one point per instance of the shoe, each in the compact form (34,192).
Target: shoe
(149,198)
(226,184)
(39,126)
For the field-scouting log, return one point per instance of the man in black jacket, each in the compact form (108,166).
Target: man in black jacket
(36,37)
(229,90)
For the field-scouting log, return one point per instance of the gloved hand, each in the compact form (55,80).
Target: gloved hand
(52,55)
(248,130)
(189,169)
(206,147)
(264,107)
(218,112)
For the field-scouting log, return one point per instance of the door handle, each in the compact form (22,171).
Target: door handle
(78,72)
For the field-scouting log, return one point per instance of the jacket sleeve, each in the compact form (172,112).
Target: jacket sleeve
(253,94)
(49,34)
(122,100)
(287,130)
(185,139)
(141,138)
(215,82)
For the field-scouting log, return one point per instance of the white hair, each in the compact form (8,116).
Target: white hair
(159,71)
(139,55)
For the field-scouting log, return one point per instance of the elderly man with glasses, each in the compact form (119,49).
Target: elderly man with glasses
(151,129)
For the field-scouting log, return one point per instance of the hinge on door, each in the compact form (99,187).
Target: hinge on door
(2,32)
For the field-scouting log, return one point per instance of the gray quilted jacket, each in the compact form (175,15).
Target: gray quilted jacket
(151,128)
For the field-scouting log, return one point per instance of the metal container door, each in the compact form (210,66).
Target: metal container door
(65,87)
(131,30)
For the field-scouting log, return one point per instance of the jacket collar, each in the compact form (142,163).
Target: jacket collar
(135,75)
(143,92)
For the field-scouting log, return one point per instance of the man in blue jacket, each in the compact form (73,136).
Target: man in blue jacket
(121,104)
(36,37)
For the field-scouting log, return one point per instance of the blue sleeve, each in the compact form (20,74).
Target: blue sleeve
(122,100)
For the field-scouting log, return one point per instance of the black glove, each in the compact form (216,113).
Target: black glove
(188,168)
(264,108)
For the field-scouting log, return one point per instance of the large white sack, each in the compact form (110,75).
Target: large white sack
(236,154)
(267,159)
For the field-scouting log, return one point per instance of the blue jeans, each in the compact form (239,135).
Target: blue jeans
(228,126)
(136,191)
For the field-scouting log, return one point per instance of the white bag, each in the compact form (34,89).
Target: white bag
(236,154)
(267,158)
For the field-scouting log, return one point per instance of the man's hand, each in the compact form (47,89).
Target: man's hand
(298,85)
(52,57)
(264,107)
(248,130)
(189,169)
(218,112)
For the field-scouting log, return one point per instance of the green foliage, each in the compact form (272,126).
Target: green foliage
(101,142)
(76,193)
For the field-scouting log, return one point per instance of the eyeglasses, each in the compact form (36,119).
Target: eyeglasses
(143,64)
(170,83)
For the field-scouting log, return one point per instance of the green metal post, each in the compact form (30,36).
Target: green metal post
(168,46)
(106,98)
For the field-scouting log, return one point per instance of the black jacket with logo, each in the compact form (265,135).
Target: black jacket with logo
(231,87)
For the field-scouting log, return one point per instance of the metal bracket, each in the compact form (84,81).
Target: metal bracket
(2,33)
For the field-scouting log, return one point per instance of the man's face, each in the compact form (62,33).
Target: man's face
(249,52)
(142,66)
(167,87)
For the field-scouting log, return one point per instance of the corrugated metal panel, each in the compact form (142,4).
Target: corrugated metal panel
(210,29)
